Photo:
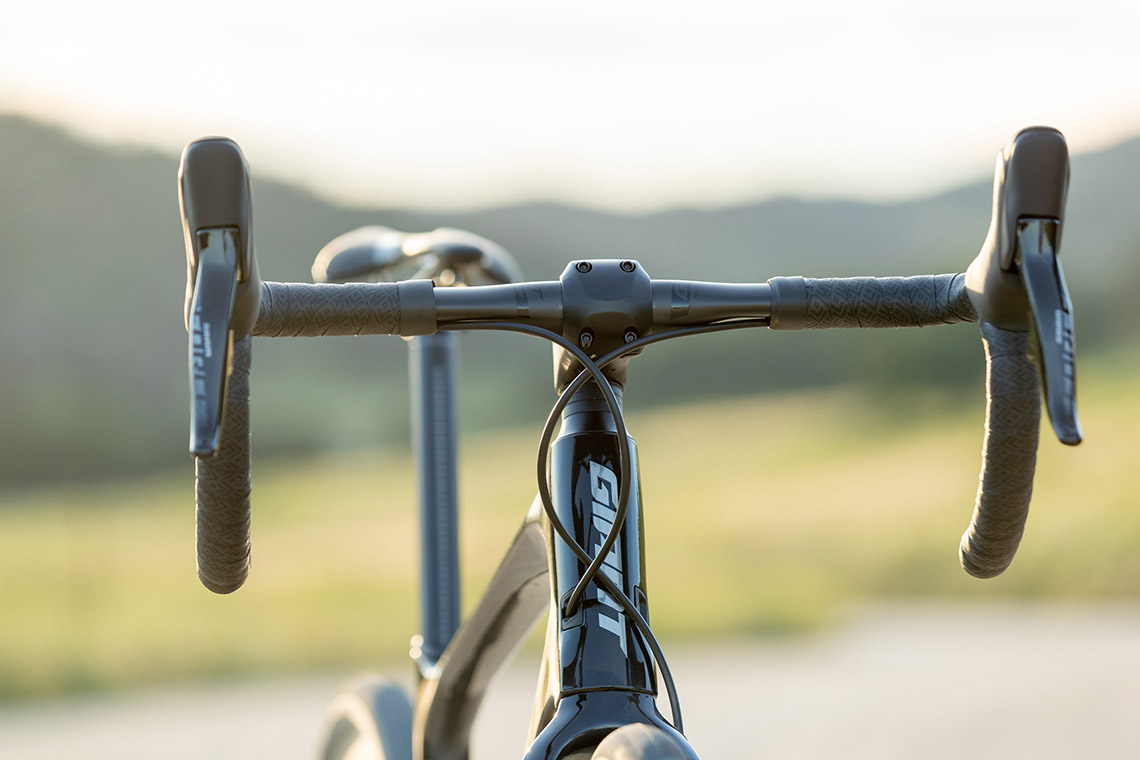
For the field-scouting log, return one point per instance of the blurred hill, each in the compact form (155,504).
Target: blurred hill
(93,350)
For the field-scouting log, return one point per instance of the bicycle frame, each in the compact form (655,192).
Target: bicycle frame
(596,672)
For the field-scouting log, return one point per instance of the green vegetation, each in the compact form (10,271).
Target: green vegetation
(766,515)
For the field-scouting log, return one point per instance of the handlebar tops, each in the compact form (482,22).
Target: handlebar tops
(611,309)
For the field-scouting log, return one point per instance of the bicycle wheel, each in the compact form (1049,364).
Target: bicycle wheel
(639,741)
(369,719)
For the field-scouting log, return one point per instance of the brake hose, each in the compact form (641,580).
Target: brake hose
(592,370)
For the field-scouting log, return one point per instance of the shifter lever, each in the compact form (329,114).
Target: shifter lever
(211,340)
(1051,322)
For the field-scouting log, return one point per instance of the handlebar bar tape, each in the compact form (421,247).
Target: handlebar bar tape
(299,309)
(223,488)
(1013,391)
(803,303)
(1013,420)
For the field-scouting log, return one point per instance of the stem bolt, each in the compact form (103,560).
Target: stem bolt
(630,335)
(628,266)
(586,337)
(583,267)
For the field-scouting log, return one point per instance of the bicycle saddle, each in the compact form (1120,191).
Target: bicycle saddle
(445,254)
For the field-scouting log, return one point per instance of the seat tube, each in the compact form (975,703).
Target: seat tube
(432,369)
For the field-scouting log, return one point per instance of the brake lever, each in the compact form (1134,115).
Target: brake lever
(1051,322)
(223,289)
(211,340)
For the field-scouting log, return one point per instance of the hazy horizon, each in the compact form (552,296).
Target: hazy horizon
(633,107)
(317,190)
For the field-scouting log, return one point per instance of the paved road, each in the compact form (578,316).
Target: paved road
(896,683)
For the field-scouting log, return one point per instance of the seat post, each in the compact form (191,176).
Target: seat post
(432,374)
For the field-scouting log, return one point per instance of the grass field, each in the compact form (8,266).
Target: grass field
(764,516)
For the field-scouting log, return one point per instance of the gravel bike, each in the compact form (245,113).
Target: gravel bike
(580,550)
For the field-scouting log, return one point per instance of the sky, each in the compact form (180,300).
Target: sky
(629,106)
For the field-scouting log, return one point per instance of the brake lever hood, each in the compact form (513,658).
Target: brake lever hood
(1016,282)
(223,287)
